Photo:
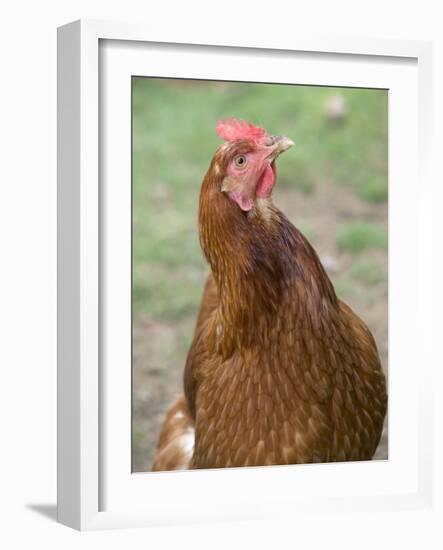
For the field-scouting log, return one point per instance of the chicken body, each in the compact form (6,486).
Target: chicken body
(280,370)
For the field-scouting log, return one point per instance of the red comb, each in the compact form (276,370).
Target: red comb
(233,129)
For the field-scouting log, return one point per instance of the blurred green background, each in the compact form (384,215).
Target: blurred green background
(332,185)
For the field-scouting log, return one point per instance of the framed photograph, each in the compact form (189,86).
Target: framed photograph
(238,233)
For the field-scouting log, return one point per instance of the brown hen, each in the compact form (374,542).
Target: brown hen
(280,370)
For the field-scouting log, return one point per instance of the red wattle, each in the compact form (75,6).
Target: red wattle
(266,182)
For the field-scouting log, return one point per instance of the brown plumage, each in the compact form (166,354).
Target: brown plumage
(280,370)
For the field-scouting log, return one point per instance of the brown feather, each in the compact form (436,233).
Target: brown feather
(280,371)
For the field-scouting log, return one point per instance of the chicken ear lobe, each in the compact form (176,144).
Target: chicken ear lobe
(231,186)
(245,203)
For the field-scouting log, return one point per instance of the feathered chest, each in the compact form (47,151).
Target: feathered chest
(254,411)
(267,404)
(302,395)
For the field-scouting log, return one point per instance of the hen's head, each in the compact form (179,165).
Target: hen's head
(245,163)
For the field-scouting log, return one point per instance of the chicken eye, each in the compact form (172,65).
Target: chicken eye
(240,161)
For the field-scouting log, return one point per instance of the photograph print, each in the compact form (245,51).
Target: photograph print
(260,274)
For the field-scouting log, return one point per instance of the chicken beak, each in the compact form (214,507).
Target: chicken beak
(280,145)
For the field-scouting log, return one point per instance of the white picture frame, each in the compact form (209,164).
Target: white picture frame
(95,486)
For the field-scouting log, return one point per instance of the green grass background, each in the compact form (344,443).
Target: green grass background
(333,184)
